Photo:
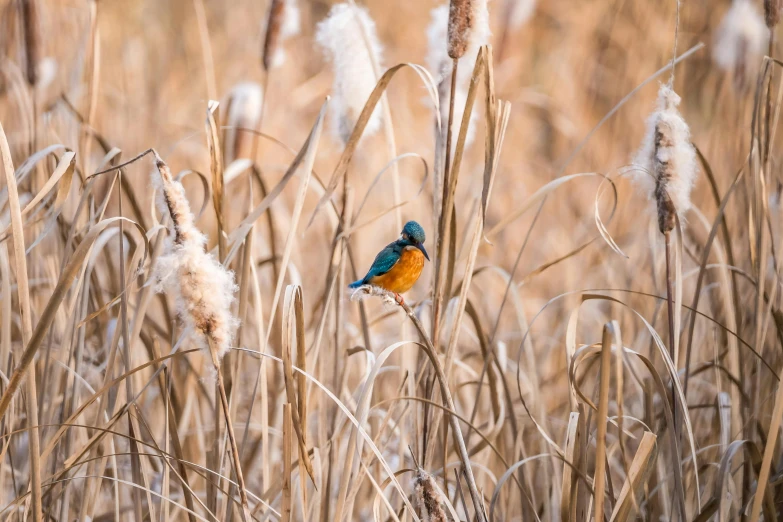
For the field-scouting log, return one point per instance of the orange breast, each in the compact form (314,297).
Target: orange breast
(404,273)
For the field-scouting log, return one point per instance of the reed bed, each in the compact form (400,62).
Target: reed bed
(599,335)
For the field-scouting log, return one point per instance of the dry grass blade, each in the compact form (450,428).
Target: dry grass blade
(641,467)
(288,451)
(766,463)
(23,288)
(573,451)
(599,479)
(308,161)
(293,315)
(216,167)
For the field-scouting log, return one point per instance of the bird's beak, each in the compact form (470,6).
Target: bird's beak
(421,247)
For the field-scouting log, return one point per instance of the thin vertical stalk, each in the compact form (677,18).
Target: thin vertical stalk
(444,218)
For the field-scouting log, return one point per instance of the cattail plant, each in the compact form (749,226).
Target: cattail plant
(428,498)
(467,30)
(244,112)
(32,38)
(740,41)
(668,162)
(203,290)
(341,36)
(439,60)
(772,12)
(282,23)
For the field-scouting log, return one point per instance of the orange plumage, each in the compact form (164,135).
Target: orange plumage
(405,272)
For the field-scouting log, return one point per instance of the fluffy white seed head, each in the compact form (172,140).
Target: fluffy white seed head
(741,41)
(440,64)
(202,288)
(667,160)
(348,39)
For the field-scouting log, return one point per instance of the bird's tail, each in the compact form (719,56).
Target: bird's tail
(356,284)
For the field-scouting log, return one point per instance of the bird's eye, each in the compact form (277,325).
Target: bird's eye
(404,236)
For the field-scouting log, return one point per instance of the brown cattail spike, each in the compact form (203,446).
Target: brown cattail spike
(29,10)
(428,498)
(668,161)
(460,23)
(772,12)
(663,175)
(272,39)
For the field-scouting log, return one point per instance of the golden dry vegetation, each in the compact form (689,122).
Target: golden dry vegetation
(543,376)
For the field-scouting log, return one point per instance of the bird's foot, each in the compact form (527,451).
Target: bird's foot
(398,299)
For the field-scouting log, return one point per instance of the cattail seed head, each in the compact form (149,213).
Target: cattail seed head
(740,42)
(460,23)
(348,39)
(668,160)
(32,38)
(282,23)
(274,22)
(439,61)
(428,498)
(203,289)
(772,12)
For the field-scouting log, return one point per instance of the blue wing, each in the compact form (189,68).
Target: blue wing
(384,262)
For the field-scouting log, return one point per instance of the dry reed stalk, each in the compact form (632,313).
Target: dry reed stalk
(569,489)
(206,49)
(668,160)
(23,293)
(769,450)
(641,467)
(468,25)
(288,452)
(599,480)
(92,67)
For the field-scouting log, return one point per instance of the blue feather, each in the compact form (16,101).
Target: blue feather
(384,262)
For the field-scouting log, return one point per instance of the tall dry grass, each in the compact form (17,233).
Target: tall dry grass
(564,357)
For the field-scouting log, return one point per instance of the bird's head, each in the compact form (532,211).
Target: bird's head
(413,235)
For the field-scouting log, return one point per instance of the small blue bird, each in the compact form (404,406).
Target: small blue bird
(398,266)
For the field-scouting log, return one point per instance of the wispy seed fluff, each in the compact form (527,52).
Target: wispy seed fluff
(740,41)
(203,289)
(440,63)
(348,39)
(428,498)
(668,160)
(244,111)
(282,23)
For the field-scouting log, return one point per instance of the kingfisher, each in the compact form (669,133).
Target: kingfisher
(397,267)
